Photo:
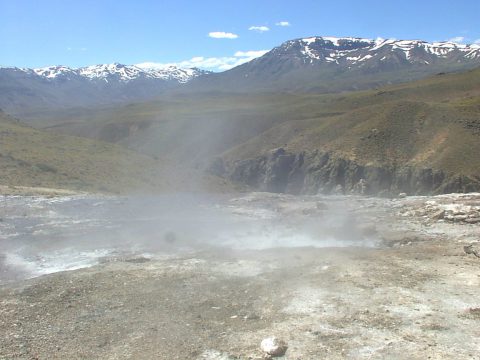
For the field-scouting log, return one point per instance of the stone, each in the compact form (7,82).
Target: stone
(470,250)
(459,218)
(273,346)
(473,220)
(361,187)
(438,215)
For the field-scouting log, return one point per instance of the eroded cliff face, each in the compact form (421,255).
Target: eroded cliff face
(322,172)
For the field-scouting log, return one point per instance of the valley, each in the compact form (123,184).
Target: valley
(325,192)
(419,137)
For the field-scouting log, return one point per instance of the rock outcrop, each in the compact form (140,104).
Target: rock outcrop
(323,172)
(454,209)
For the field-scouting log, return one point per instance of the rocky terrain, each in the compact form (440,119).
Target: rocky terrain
(323,172)
(404,289)
(417,138)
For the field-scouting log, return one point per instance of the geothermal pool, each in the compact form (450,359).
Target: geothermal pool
(41,235)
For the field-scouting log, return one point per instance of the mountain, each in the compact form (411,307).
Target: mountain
(32,157)
(417,137)
(23,91)
(117,72)
(37,158)
(420,137)
(282,122)
(330,64)
(315,64)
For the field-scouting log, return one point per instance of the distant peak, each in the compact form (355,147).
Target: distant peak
(338,40)
(117,71)
(158,66)
(356,50)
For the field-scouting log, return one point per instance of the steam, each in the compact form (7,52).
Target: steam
(41,235)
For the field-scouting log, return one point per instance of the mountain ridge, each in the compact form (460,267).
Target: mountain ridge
(350,44)
(420,137)
(305,65)
(27,92)
(330,64)
(122,72)
(394,138)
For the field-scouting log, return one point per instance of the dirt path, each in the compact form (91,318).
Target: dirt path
(417,298)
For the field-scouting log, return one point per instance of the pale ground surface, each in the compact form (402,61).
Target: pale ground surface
(415,297)
(27,190)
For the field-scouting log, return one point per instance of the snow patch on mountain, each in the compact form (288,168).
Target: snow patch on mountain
(51,72)
(343,51)
(105,71)
(353,51)
(170,72)
(117,72)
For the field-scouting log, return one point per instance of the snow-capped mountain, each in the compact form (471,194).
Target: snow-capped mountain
(355,51)
(331,64)
(171,72)
(310,64)
(53,87)
(119,72)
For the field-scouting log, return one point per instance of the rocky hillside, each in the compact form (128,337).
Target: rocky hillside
(326,173)
(293,132)
(416,138)
(420,137)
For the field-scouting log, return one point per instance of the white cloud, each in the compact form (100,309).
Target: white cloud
(82,49)
(283,23)
(211,63)
(222,35)
(464,40)
(457,39)
(259,28)
(251,54)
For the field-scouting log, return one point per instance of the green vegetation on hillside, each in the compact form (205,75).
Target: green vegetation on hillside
(432,123)
(30,157)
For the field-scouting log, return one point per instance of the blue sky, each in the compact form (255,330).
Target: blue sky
(35,33)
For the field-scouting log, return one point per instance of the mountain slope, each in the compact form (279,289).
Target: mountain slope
(27,91)
(420,137)
(329,64)
(31,157)
(316,64)
(418,128)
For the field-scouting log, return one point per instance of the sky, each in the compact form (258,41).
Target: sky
(211,34)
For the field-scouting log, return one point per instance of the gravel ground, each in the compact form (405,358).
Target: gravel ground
(415,296)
